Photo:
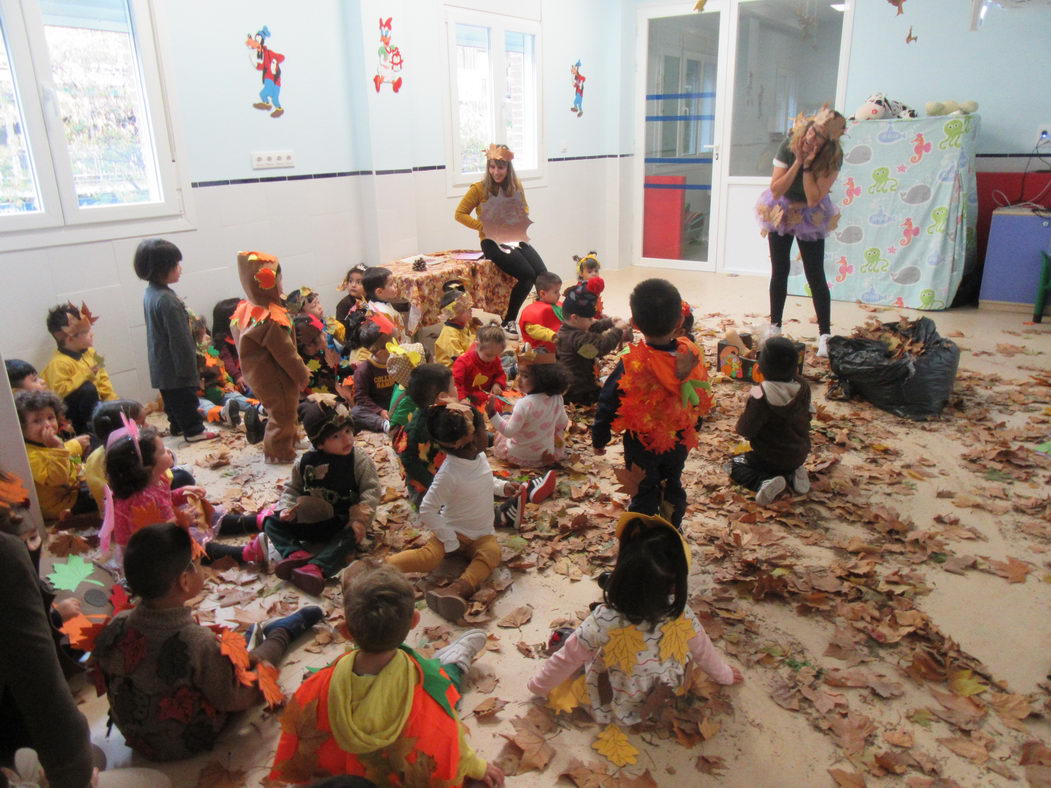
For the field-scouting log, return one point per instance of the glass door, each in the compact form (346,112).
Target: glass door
(680,152)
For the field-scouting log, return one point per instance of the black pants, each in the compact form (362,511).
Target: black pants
(813,253)
(750,472)
(181,407)
(663,481)
(523,263)
(80,405)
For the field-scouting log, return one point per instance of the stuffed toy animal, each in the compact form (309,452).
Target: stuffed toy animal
(878,106)
(269,361)
(937,108)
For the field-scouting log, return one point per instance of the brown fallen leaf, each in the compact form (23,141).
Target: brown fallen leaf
(215,775)
(517,617)
(847,779)
(709,764)
(629,479)
(67,543)
(852,731)
(968,748)
(899,738)
(214,459)
(488,707)
(1013,570)
(893,762)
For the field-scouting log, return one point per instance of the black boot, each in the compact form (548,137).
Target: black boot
(213,551)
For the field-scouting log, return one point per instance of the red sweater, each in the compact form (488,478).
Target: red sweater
(474,377)
(539,313)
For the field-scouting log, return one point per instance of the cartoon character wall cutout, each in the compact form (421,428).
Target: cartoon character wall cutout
(390,61)
(269,62)
(578,89)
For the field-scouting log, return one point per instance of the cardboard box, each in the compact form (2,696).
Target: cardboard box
(732,364)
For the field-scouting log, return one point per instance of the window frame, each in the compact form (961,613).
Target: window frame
(497,24)
(45,134)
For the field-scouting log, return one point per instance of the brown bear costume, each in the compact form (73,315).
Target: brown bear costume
(271,366)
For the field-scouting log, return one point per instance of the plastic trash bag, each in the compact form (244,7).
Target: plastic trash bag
(913,386)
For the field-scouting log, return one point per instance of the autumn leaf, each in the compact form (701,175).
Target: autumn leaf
(67,543)
(488,707)
(232,646)
(629,479)
(12,491)
(215,775)
(623,648)
(267,676)
(67,576)
(118,597)
(536,752)
(516,618)
(968,748)
(214,459)
(899,738)
(266,277)
(82,630)
(568,695)
(615,747)
(675,635)
(586,775)
(847,779)
(965,683)
(1013,570)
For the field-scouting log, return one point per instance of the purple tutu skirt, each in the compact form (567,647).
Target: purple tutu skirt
(784,217)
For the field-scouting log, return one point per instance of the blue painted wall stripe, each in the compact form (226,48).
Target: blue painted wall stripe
(660,96)
(659,160)
(695,187)
(662,118)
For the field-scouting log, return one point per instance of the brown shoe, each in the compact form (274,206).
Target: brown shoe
(450,602)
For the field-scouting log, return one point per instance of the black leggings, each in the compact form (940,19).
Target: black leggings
(813,253)
(523,263)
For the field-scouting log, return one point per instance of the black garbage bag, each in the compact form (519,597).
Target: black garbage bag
(913,386)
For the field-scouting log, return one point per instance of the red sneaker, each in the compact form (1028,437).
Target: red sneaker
(286,565)
(308,578)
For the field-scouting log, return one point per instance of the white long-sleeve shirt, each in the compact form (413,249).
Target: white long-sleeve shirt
(460,500)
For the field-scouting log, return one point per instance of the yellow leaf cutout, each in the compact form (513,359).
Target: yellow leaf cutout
(614,745)
(674,637)
(588,351)
(622,649)
(964,682)
(479,381)
(568,695)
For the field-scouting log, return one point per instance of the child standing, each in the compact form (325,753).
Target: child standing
(384,710)
(76,372)
(331,499)
(478,372)
(776,421)
(581,341)
(373,384)
(171,349)
(540,322)
(171,690)
(457,334)
(458,508)
(657,395)
(533,434)
(644,605)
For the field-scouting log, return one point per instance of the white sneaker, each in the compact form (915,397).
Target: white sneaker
(769,490)
(801,480)
(822,345)
(462,651)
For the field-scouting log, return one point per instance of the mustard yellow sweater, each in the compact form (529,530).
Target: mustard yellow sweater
(64,374)
(56,474)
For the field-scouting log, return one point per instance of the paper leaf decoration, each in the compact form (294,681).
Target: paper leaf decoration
(504,218)
(12,492)
(614,745)
(623,647)
(118,597)
(68,543)
(82,630)
(674,638)
(267,675)
(479,381)
(232,646)
(67,576)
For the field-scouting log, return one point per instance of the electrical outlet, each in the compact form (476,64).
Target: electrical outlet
(1043,135)
(268,160)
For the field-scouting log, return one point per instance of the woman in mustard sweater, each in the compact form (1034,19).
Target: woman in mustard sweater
(523,262)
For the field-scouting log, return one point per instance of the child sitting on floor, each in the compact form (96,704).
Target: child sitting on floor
(478,372)
(76,372)
(776,421)
(373,384)
(381,710)
(533,434)
(582,341)
(379,292)
(23,375)
(458,332)
(223,341)
(54,463)
(657,394)
(171,690)
(458,508)
(539,323)
(139,494)
(420,456)
(310,344)
(400,364)
(218,400)
(355,292)
(329,501)
(645,605)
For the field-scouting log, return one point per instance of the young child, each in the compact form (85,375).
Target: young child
(23,376)
(331,499)
(169,343)
(355,292)
(581,341)
(171,690)
(373,384)
(382,710)
(657,394)
(76,372)
(533,434)
(310,344)
(223,341)
(458,508)
(104,421)
(420,456)
(400,365)
(457,334)
(140,493)
(776,421)
(478,373)
(644,604)
(379,292)
(54,463)
(218,400)
(540,322)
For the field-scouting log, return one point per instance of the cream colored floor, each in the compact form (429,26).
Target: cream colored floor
(1006,626)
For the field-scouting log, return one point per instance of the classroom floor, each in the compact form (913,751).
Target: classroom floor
(854,612)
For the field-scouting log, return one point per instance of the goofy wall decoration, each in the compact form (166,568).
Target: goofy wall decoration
(269,62)
(390,61)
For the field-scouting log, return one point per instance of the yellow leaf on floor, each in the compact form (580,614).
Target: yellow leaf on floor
(622,649)
(964,682)
(568,695)
(614,745)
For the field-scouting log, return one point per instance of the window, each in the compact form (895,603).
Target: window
(82,132)
(494,66)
